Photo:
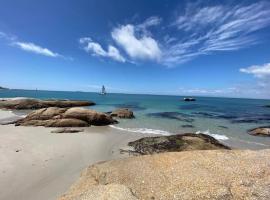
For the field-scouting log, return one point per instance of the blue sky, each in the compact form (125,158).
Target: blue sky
(209,48)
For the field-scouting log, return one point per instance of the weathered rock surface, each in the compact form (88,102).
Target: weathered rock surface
(172,143)
(214,174)
(67,130)
(261,131)
(107,192)
(31,104)
(122,113)
(65,117)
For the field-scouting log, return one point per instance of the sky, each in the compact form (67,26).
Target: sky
(193,48)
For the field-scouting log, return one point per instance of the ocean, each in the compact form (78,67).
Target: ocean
(226,119)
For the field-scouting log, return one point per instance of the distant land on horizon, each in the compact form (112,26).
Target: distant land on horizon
(3,88)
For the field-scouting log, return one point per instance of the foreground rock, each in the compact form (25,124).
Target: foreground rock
(31,104)
(122,113)
(218,174)
(261,131)
(65,117)
(172,143)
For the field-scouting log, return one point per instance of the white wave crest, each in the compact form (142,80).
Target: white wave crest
(142,130)
(216,136)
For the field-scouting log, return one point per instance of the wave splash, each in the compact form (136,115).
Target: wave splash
(216,136)
(143,130)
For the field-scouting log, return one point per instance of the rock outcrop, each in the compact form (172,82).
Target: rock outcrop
(214,174)
(65,117)
(260,131)
(122,113)
(173,143)
(31,104)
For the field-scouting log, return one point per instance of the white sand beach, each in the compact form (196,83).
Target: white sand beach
(38,164)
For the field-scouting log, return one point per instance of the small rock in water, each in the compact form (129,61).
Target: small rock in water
(260,131)
(224,127)
(122,113)
(187,126)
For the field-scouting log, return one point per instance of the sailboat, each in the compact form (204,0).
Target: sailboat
(103,91)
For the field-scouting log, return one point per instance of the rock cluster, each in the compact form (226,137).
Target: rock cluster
(261,131)
(122,113)
(65,117)
(214,174)
(31,104)
(173,143)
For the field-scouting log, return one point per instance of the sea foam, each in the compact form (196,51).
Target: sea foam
(216,136)
(142,130)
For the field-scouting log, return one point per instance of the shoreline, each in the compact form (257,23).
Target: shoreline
(37,164)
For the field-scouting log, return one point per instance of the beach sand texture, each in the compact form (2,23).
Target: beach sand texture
(37,164)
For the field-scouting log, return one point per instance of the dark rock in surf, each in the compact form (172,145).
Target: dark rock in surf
(187,126)
(224,127)
(172,115)
(174,143)
(135,106)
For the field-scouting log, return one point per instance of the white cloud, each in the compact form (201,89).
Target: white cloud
(137,47)
(210,29)
(198,30)
(31,47)
(259,71)
(96,49)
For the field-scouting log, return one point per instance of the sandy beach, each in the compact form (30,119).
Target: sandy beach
(38,164)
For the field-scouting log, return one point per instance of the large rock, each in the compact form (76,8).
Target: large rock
(180,142)
(91,116)
(122,113)
(261,131)
(214,174)
(30,104)
(65,117)
(107,192)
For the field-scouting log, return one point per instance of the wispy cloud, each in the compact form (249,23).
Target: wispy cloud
(259,71)
(198,30)
(30,47)
(216,28)
(96,49)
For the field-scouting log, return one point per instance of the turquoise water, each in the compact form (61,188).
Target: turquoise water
(227,119)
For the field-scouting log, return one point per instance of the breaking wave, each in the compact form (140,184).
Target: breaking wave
(142,130)
(216,136)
